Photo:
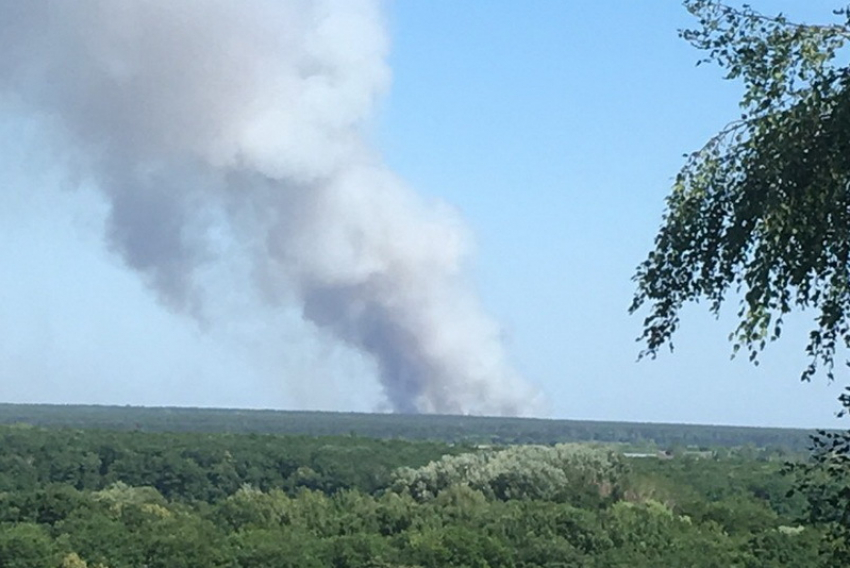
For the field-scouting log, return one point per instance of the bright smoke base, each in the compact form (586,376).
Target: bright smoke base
(203,121)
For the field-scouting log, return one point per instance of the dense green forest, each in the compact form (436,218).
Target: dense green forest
(75,498)
(460,429)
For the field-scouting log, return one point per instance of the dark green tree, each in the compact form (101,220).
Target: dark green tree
(26,545)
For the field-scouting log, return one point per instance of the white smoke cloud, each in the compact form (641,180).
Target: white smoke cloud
(203,120)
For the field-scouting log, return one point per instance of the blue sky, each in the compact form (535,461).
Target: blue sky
(553,127)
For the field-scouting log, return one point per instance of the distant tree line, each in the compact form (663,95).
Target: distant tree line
(455,429)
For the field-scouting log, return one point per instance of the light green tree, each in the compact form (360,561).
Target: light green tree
(564,472)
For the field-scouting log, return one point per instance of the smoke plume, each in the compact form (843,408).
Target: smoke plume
(212,121)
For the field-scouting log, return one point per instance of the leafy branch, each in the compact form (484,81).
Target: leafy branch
(763,208)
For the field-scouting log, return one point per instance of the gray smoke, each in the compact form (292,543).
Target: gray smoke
(212,121)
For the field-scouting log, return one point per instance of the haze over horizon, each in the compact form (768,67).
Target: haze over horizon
(360,206)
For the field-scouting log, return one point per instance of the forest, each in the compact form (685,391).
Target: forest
(110,498)
(458,429)
(762,209)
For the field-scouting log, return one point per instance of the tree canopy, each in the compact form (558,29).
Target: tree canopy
(762,211)
(250,501)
